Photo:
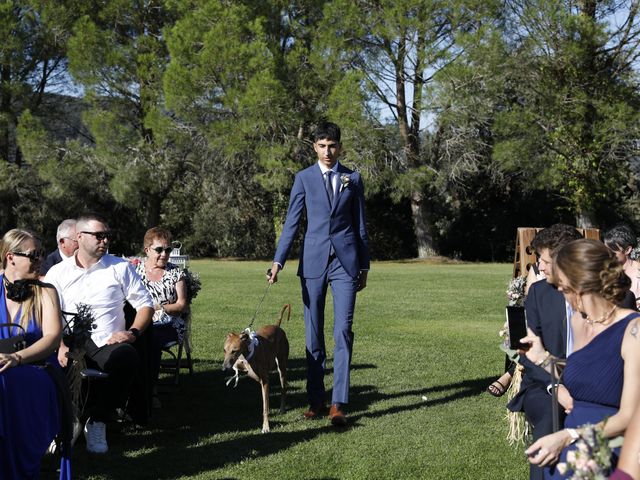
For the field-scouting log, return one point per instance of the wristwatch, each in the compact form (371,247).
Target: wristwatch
(574,434)
(135,332)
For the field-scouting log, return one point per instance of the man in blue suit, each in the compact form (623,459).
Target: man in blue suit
(67,245)
(335,252)
(548,316)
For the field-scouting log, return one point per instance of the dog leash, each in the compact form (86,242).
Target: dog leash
(236,377)
(266,290)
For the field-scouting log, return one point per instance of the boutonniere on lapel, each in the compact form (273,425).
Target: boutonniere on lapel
(344,181)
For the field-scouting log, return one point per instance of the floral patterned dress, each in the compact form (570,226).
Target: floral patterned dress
(164,292)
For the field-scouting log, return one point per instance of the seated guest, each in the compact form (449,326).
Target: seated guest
(621,240)
(104,282)
(499,387)
(548,316)
(29,410)
(602,375)
(67,245)
(166,284)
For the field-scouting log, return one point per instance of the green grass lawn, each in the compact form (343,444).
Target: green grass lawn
(426,346)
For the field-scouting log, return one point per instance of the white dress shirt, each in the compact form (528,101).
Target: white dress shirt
(104,286)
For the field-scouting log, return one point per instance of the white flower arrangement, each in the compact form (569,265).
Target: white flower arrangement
(515,297)
(344,181)
(515,291)
(591,460)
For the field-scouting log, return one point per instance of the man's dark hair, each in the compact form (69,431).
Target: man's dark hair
(327,131)
(620,238)
(554,237)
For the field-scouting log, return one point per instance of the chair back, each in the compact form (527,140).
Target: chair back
(176,257)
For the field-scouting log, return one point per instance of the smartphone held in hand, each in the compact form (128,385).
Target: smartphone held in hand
(517,323)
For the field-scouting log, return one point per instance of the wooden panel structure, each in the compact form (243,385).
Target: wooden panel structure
(525,256)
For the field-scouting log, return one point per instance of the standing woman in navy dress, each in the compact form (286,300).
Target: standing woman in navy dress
(603,372)
(29,414)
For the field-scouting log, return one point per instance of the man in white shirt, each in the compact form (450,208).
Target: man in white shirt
(67,245)
(103,282)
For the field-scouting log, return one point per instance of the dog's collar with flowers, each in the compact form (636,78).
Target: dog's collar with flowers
(253,343)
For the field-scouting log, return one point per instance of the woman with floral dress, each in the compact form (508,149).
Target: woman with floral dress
(167,286)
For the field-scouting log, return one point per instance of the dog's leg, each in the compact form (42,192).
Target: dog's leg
(265,405)
(282,373)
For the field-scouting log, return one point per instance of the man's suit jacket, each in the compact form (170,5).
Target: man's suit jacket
(342,225)
(53,258)
(547,318)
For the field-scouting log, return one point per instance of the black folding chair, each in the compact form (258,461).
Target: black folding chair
(175,362)
(557,368)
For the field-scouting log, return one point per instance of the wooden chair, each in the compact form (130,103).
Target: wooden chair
(524,255)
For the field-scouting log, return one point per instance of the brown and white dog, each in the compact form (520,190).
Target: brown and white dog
(257,353)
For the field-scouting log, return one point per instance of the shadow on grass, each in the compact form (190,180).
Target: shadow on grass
(365,396)
(204,426)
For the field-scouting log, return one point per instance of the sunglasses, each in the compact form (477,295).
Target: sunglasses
(100,236)
(32,256)
(159,250)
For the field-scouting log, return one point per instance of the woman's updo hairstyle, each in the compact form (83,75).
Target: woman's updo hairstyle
(590,267)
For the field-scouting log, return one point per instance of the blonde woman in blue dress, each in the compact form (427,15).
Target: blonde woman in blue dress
(28,396)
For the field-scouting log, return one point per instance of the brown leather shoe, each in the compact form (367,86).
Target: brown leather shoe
(337,417)
(315,411)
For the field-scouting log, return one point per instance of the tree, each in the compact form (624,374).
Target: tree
(399,46)
(246,76)
(572,115)
(33,34)
(62,178)
(118,54)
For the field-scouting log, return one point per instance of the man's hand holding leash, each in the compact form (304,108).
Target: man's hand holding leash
(272,274)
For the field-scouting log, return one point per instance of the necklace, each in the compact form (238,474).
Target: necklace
(154,274)
(603,318)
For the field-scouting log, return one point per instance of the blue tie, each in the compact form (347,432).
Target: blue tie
(329,186)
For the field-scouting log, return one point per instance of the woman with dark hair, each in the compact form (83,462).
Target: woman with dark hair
(603,371)
(622,241)
(167,286)
(29,413)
